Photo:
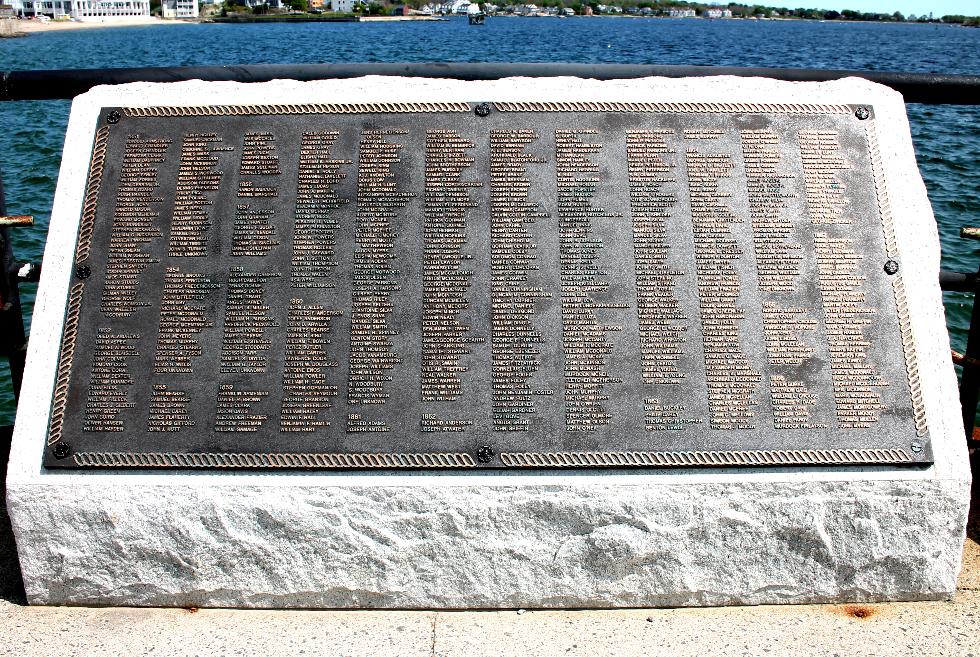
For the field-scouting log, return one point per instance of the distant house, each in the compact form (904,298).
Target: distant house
(682,13)
(179,8)
(342,6)
(718,13)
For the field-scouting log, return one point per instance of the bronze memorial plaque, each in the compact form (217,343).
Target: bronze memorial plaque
(462,284)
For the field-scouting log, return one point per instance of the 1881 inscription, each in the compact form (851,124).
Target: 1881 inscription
(547,285)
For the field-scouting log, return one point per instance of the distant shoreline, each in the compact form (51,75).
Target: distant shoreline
(25,27)
(291,18)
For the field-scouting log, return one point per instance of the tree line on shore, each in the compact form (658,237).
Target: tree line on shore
(649,7)
(738,10)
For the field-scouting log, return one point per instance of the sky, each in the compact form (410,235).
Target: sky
(917,7)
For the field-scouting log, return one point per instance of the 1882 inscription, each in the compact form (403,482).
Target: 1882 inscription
(546,286)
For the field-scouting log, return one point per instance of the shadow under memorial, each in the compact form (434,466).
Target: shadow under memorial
(11,583)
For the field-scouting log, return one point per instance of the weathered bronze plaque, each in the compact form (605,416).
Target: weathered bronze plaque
(468,285)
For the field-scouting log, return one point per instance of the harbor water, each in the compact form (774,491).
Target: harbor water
(947,138)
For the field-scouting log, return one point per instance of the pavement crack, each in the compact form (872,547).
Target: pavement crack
(435,619)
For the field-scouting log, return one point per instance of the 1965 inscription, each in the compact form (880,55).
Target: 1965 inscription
(434,288)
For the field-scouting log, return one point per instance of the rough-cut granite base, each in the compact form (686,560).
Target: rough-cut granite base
(541,539)
(473,546)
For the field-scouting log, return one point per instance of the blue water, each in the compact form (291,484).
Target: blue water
(947,139)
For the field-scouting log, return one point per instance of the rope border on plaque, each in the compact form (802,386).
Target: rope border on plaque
(898,284)
(92,186)
(512,459)
(64,364)
(275,460)
(688,459)
(308,108)
(506,106)
(700,108)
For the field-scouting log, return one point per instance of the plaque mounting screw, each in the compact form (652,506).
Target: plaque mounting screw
(862,113)
(916,446)
(483,109)
(484,454)
(113,117)
(61,450)
(83,271)
(891,267)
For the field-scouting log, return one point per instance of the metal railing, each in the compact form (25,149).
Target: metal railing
(925,88)
(928,88)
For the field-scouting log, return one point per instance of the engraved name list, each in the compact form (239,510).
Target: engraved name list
(429,287)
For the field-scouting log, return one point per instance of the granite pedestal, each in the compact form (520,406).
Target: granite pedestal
(502,539)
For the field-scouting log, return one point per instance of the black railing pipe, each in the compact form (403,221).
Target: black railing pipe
(954,281)
(930,88)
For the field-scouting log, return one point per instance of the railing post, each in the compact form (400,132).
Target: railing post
(13,339)
(970,381)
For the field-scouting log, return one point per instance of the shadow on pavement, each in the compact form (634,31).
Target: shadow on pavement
(973,523)
(11,584)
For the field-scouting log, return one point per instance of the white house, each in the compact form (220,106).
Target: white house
(682,13)
(342,6)
(718,13)
(83,9)
(179,8)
